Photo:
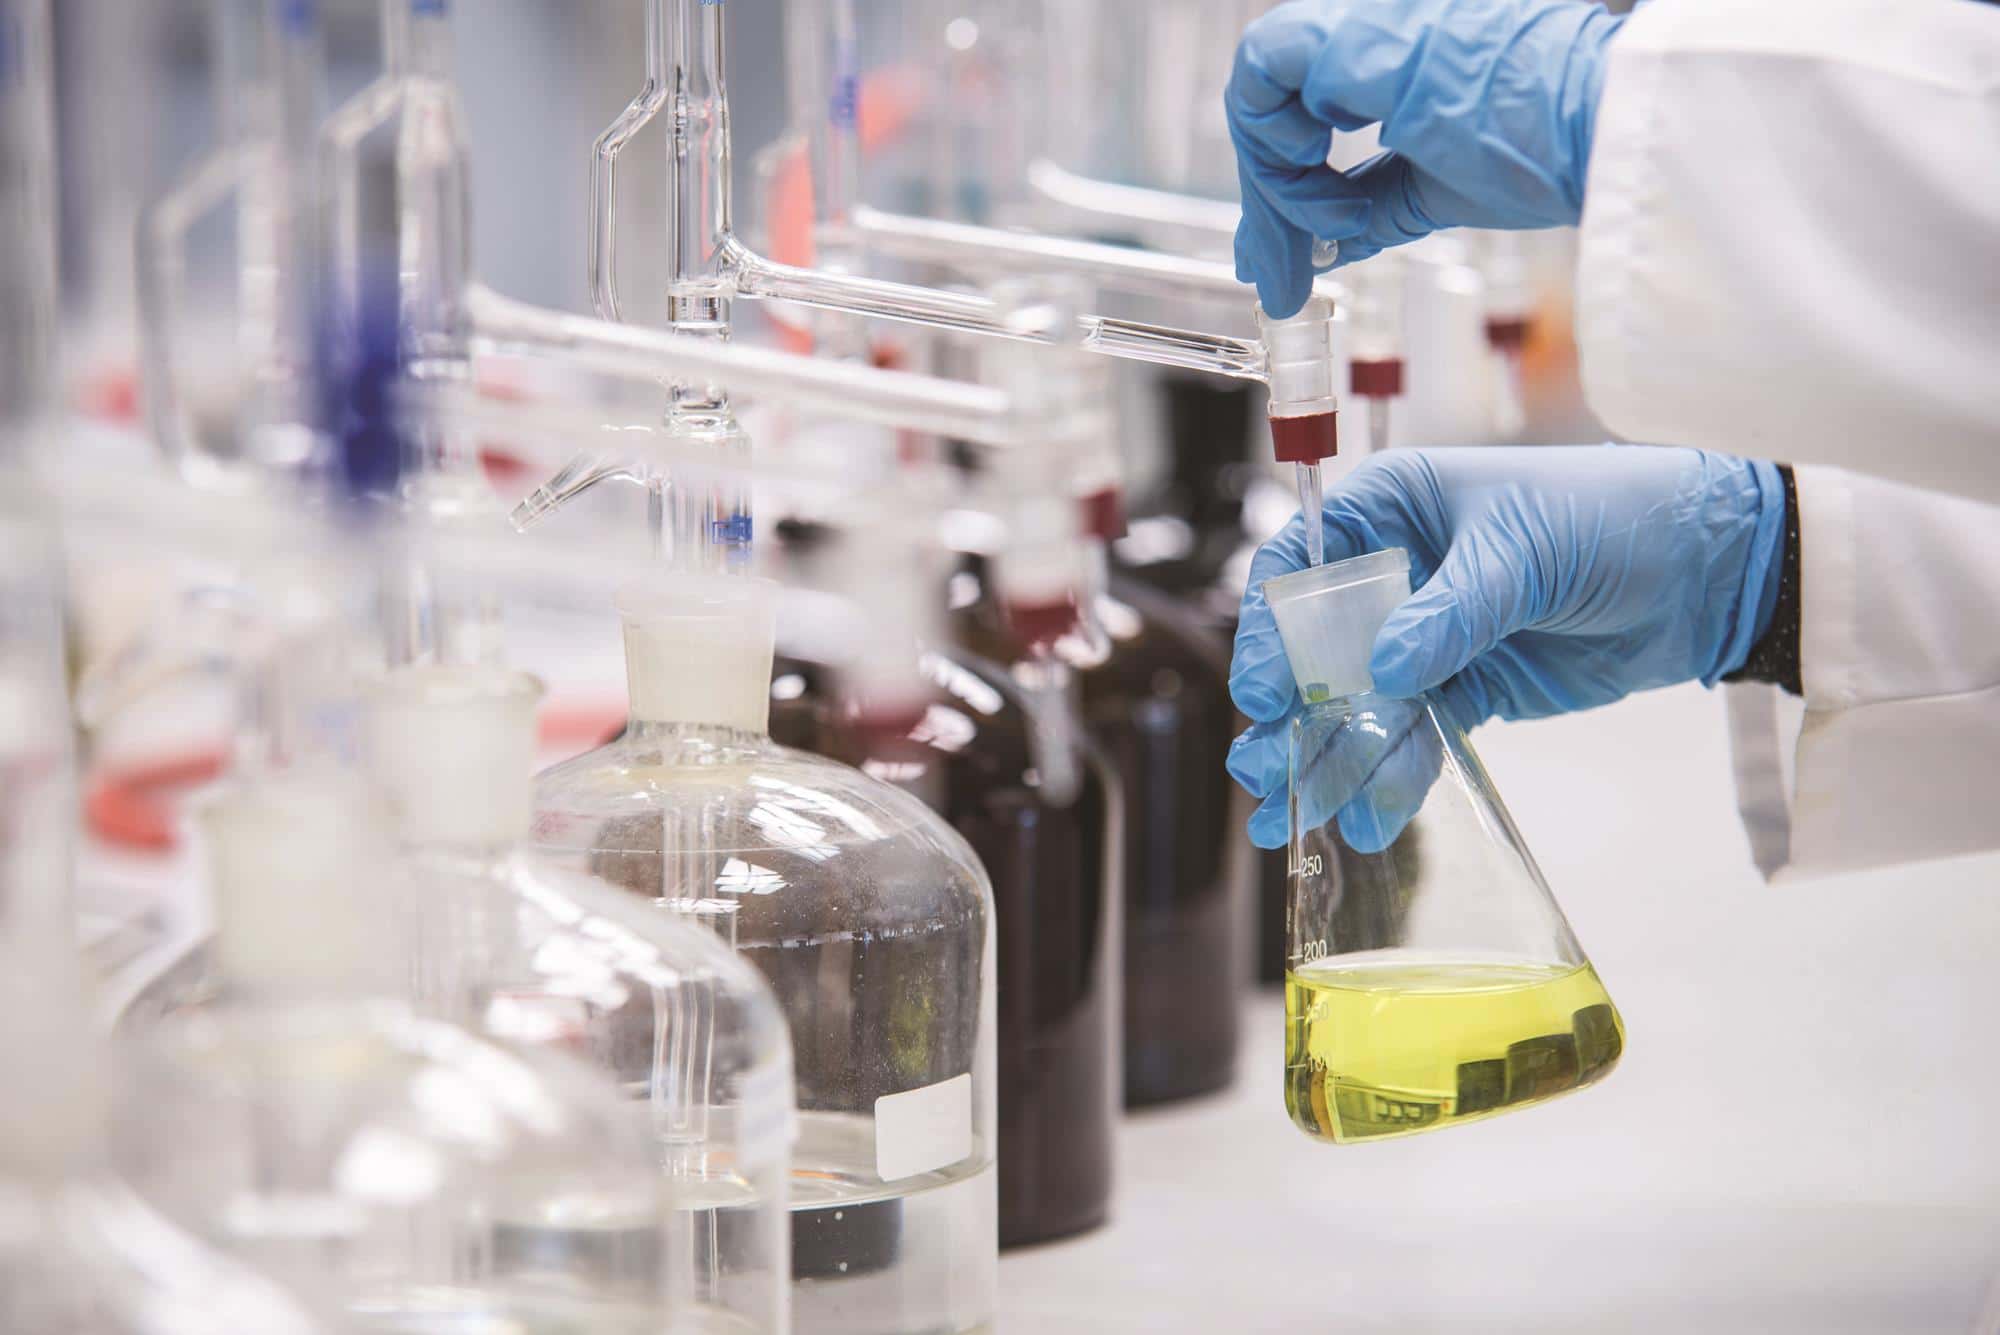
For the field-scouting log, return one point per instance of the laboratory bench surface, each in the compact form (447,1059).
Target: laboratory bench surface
(1803,1134)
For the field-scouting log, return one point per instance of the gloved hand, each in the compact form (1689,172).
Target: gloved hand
(1486,108)
(1549,579)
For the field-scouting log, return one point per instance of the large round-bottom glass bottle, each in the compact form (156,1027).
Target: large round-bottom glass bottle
(870,917)
(507,945)
(399,1170)
(1419,993)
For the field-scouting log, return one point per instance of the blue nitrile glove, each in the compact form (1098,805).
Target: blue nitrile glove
(1486,108)
(1372,772)
(1549,579)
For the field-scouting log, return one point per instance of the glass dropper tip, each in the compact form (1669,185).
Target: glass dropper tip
(1310,497)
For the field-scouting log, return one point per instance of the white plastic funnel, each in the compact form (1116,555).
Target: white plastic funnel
(1328,616)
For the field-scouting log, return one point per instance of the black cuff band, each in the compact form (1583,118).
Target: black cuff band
(1775,656)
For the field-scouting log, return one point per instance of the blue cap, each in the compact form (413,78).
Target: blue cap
(298,18)
(360,370)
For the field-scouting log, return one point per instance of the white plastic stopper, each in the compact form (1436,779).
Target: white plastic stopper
(1328,617)
(698,650)
(1298,354)
(295,863)
(452,750)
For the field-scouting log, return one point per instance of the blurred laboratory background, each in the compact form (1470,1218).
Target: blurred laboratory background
(614,655)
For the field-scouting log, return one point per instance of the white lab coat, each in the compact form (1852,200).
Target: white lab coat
(1791,248)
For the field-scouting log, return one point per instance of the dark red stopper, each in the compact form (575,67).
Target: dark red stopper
(884,722)
(1507,333)
(1376,377)
(1307,439)
(1104,514)
(1040,623)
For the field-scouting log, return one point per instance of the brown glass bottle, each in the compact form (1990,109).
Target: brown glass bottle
(1154,696)
(1054,871)
(1188,540)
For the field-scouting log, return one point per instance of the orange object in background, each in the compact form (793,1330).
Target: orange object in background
(137,807)
(110,395)
(889,102)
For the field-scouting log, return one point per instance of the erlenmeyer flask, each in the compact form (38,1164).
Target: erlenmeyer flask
(1430,977)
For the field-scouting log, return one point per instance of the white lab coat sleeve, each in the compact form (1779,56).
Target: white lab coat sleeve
(1898,754)
(1791,235)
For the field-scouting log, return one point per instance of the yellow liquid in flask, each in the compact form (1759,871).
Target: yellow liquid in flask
(1391,1048)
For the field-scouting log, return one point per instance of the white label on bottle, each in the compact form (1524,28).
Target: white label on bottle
(920,1130)
(766,1126)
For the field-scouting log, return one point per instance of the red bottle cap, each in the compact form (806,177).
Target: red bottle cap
(886,722)
(1040,623)
(1305,440)
(1104,514)
(1376,377)
(1508,333)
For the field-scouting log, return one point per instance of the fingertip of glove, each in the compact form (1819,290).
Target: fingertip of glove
(1364,830)
(1278,301)
(1394,665)
(1246,765)
(1270,822)
(1257,698)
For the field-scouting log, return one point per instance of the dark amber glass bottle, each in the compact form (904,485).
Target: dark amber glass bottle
(1153,691)
(1055,870)
(1185,548)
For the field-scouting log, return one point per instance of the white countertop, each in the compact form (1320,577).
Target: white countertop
(1801,1135)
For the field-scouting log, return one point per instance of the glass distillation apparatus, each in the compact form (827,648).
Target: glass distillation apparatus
(1418,993)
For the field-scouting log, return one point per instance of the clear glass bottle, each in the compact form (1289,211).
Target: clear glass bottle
(396,1169)
(79,1254)
(508,945)
(1419,992)
(870,917)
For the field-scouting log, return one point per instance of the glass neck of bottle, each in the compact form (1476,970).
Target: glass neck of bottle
(416,39)
(668,732)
